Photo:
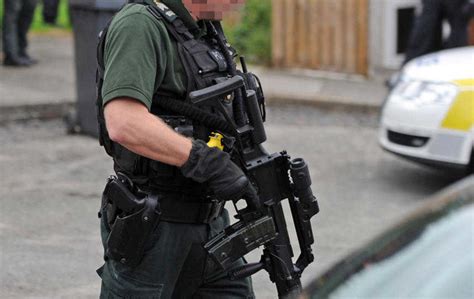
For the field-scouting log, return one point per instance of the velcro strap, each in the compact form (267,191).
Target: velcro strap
(167,13)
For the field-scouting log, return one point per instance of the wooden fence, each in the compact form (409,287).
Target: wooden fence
(321,34)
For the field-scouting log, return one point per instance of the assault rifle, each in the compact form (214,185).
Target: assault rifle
(276,178)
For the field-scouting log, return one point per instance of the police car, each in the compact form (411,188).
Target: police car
(429,114)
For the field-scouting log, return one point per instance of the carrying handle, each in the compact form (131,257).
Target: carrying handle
(206,96)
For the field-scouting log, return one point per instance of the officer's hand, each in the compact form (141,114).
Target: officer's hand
(251,197)
(211,165)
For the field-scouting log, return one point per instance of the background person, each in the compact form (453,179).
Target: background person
(427,32)
(18,15)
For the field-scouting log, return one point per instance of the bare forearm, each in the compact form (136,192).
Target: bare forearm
(131,125)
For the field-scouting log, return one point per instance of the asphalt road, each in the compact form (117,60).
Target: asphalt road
(51,185)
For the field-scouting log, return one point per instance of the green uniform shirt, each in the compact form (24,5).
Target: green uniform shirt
(140,57)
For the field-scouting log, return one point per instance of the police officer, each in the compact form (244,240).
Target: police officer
(426,36)
(18,15)
(155,52)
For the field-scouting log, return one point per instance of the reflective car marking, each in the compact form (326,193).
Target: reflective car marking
(461,114)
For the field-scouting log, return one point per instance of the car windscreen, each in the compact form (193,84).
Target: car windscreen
(438,264)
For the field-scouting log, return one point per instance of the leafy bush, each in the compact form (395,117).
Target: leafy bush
(252,35)
(1,14)
(38,24)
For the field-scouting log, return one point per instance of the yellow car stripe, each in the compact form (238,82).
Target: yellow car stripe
(461,114)
(465,83)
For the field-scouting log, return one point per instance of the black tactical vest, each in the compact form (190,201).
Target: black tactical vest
(205,64)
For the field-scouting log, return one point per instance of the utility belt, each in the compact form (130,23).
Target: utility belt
(190,212)
(132,215)
(180,207)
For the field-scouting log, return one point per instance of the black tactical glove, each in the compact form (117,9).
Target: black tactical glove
(225,178)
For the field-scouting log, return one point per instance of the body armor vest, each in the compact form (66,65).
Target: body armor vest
(205,64)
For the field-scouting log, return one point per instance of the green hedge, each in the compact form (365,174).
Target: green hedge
(38,24)
(1,13)
(62,20)
(252,35)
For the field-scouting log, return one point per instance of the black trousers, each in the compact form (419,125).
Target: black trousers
(175,265)
(50,11)
(18,15)
(426,36)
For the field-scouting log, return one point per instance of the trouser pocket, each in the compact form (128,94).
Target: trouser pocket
(118,286)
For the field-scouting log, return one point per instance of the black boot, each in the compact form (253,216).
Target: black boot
(28,58)
(17,62)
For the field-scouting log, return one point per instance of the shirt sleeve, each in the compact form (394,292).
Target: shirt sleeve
(134,60)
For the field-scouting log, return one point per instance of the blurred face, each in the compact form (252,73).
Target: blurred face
(211,9)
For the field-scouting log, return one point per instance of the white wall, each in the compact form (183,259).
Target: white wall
(383,32)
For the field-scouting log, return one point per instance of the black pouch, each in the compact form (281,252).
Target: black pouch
(129,234)
(252,82)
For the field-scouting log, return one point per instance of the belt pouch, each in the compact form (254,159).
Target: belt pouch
(130,233)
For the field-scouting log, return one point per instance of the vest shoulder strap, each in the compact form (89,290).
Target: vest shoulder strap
(165,11)
(104,139)
(173,23)
(100,52)
(184,38)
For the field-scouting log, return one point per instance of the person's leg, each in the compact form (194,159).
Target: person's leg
(50,11)
(219,285)
(156,275)
(214,282)
(10,28)
(192,272)
(24,22)
(426,35)
(458,21)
